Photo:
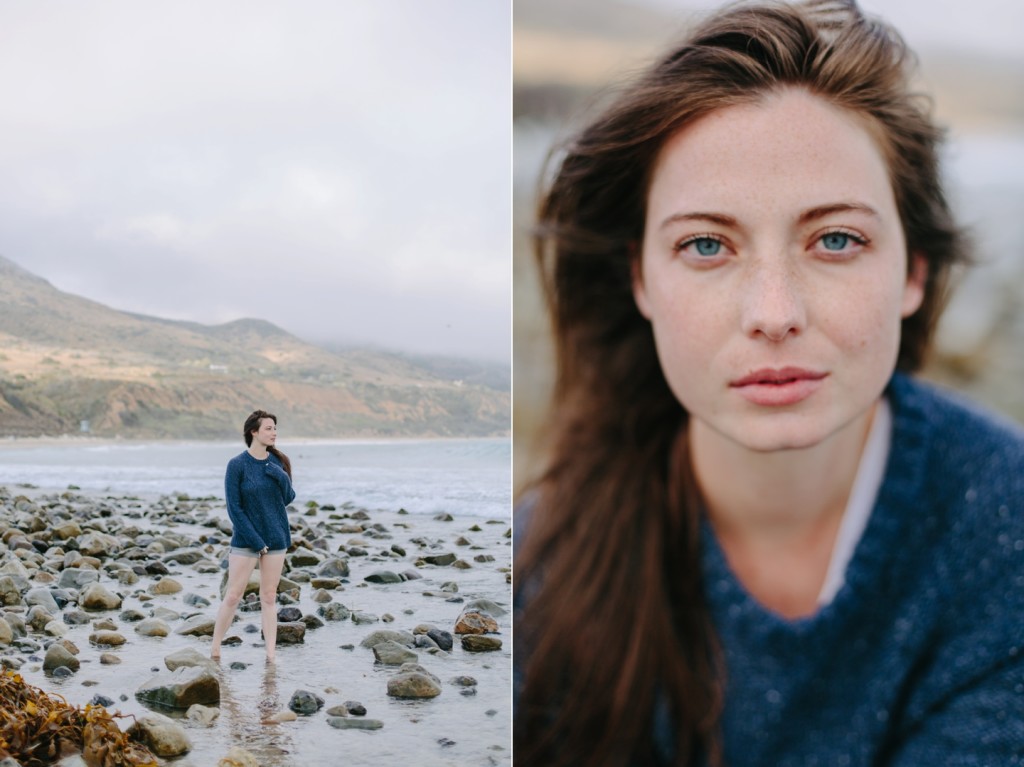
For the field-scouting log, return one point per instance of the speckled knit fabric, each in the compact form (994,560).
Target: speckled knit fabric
(257,493)
(919,660)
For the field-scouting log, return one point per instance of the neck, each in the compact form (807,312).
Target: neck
(781,495)
(258,450)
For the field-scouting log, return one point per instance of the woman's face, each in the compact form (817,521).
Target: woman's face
(774,271)
(266,435)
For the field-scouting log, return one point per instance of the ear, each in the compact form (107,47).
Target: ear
(913,291)
(637,277)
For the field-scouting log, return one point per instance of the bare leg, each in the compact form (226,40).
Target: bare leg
(239,570)
(270,575)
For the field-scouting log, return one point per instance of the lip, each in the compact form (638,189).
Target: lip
(777,387)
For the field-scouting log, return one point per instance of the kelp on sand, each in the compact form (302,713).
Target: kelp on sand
(39,729)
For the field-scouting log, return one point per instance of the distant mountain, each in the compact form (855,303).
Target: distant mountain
(66,360)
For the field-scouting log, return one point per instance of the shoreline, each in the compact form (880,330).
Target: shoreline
(332,662)
(76,440)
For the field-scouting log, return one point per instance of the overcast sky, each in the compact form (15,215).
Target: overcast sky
(338,168)
(993,26)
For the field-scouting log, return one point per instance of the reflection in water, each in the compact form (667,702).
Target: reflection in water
(246,712)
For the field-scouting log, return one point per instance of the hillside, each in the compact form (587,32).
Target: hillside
(65,360)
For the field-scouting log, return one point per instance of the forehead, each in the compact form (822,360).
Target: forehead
(789,142)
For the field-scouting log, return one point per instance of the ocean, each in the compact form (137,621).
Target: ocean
(459,476)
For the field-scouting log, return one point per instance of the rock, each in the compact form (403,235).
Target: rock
(461,564)
(6,632)
(334,568)
(355,708)
(165,586)
(152,627)
(181,688)
(105,624)
(393,654)
(289,614)
(475,623)
(41,597)
(194,600)
(403,638)
(185,556)
(441,560)
(485,606)
(463,681)
(281,716)
(321,596)
(344,723)
(10,594)
(303,557)
(413,684)
(479,643)
(239,757)
(109,659)
(107,639)
(188,658)
(160,735)
(204,716)
(383,576)
(441,638)
(96,544)
(291,633)
(76,617)
(101,700)
(96,597)
(197,625)
(359,617)
(305,703)
(335,611)
(77,577)
(57,655)
(425,642)
(66,530)
(337,711)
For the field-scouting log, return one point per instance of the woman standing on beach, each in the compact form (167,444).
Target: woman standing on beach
(258,487)
(758,540)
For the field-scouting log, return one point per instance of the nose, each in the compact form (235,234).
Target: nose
(773,305)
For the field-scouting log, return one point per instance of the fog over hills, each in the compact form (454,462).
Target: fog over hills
(65,360)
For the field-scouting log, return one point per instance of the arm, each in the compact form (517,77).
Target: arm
(982,723)
(284,482)
(240,521)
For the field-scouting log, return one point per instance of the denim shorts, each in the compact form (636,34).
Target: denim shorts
(244,552)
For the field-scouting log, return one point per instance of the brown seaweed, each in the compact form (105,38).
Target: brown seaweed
(37,728)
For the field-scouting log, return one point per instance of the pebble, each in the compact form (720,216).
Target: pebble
(164,583)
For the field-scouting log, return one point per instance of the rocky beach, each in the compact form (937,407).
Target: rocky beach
(393,642)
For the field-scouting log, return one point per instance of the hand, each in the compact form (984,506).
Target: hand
(264,550)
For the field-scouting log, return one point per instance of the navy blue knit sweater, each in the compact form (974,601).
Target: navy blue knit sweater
(257,493)
(919,659)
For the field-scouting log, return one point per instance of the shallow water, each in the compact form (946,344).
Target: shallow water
(452,729)
(460,476)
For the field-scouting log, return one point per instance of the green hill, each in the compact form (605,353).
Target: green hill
(65,360)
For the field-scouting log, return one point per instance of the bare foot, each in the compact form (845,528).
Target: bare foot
(271,659)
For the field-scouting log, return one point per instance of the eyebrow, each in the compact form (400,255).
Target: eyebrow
(806,216)
(821,211)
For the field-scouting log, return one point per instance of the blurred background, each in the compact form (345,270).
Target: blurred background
(569,54)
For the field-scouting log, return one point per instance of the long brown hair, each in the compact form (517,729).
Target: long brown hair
(615,622)
(253,423)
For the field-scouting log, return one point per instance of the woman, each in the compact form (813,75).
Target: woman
(258,487)
(757,540)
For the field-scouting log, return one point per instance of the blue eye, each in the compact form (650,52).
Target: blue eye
(835,240)
(705,246)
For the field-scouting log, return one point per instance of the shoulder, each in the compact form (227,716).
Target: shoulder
(967,468)
(964,444)
(238,460)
